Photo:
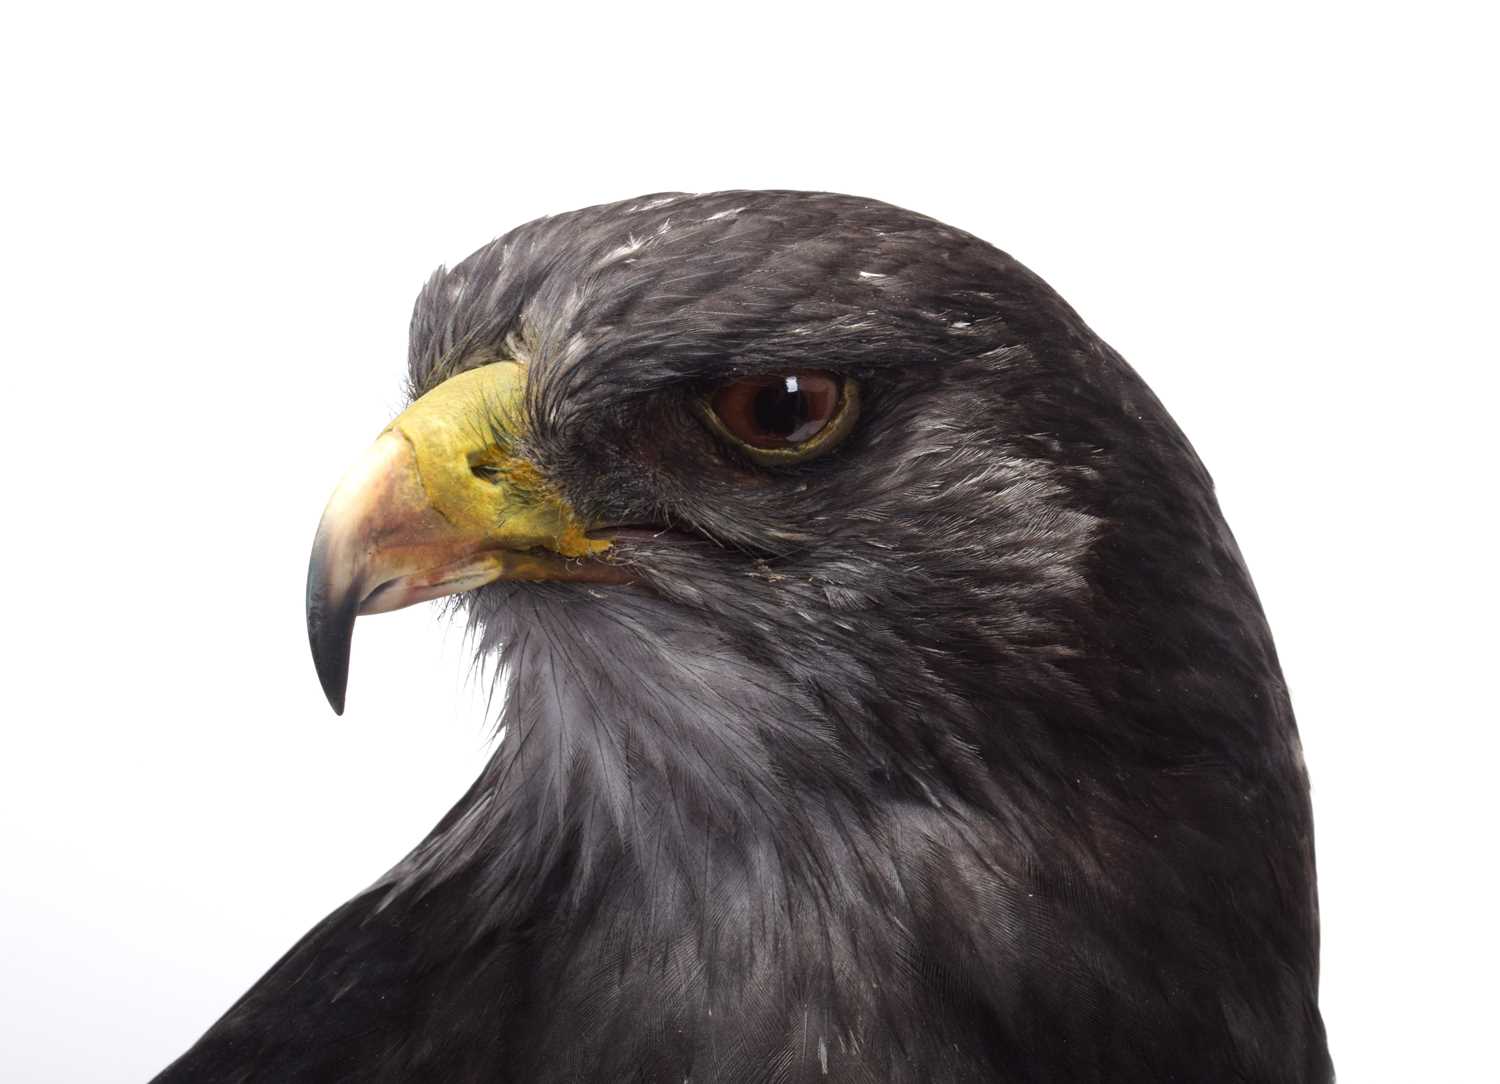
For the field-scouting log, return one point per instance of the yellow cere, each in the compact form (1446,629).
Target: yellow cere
(451,432)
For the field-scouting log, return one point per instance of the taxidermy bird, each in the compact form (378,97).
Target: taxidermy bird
(885,696)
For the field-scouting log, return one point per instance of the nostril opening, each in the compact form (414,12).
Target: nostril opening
(486,472)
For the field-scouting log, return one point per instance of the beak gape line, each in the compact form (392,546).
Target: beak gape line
(439,504)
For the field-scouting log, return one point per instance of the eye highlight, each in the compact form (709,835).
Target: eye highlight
(783,417)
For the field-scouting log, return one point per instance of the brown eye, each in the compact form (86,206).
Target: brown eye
(783,417)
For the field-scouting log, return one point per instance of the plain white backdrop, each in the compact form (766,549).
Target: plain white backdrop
(216,220)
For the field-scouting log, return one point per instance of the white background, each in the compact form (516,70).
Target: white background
(215,223)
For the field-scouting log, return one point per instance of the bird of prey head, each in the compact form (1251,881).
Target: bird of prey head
(886,697)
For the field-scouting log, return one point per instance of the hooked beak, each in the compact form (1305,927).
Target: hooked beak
(437,505)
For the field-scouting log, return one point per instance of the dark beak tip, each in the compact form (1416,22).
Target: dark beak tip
(330,650)
(330,629)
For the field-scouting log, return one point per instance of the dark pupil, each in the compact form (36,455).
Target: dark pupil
(780,407)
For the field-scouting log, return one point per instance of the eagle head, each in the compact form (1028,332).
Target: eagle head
(885,693)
